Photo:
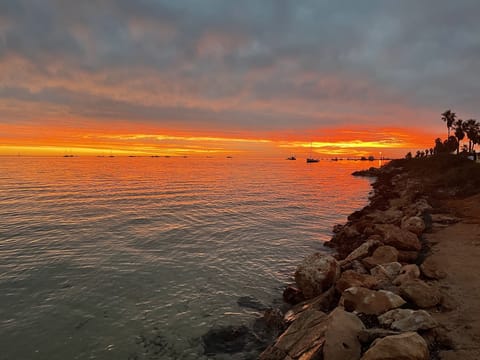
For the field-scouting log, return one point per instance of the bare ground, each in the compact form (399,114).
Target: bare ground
(457,248)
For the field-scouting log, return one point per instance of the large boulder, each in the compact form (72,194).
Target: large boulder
(303,339)
(431,269)
(342,336)
(415,224)
(386,271)
(350,278)
(362,251)
(370,302)
(420,293)
(316,274)
(407,320)
(406,346)
(398,238)
(324,302)
(382,255)
(407,272)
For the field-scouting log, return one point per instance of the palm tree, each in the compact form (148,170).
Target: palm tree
(471,128)
(459,132)
(449,117)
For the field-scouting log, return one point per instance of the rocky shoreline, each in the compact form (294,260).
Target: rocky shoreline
(373,299)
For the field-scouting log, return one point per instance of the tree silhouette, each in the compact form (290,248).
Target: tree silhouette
(459,132)
(472,129)
(449,117)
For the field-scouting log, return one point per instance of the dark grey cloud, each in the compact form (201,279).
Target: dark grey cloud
(375,53)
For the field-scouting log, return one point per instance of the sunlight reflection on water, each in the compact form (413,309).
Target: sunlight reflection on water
(97,252)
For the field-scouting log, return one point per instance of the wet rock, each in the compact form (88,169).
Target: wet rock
(325,302)
(273,319)
(431,269)
(227,339)
(420,293)
(304,338)
(408,272)
(382,255)
(251,303)
(351,278)
(371,172)
(292,295)
(407,346)
(362,251)
(341,337)
(415,224)
(407,320)
(316,274)
(399,238)
(370,301)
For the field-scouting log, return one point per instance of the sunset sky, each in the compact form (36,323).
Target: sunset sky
(262,77)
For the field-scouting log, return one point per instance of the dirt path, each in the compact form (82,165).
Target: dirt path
(457,248)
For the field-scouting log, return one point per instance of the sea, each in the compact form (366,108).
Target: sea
(139,257)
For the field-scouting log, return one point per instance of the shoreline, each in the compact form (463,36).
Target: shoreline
(393,288)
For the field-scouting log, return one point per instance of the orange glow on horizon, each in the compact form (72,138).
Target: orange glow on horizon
(121,140)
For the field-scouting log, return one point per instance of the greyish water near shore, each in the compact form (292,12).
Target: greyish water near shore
(137,258)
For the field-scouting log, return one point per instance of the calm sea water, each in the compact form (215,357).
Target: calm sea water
(103,257)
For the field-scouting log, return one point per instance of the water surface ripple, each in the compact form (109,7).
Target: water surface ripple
(98,254)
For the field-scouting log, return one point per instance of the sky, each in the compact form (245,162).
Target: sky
(208,77)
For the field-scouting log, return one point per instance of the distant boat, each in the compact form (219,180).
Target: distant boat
(229,157)
(68,155)
(310,159)
(292,158)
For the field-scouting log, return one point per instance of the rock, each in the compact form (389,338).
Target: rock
(341,337)
(431,269)
(386,271)
(407,256)
(358,267)
(408,272)
(367,336)
(407,346)
(382,255)
(303,339)
(292,295)
(420,293)
(227,339)
(316,274)
(444,219)
(414,224)
(250,302)
(407,320)
(273,318)
(362,251)
(370,301)
(399,238)
(324,303)
(351,278)
(390,216)
(422,205)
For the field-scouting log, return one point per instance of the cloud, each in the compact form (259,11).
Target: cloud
(239,66)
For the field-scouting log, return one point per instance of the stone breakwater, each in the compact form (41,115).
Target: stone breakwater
(374,298)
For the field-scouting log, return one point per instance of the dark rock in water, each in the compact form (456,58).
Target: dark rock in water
(226,339)
(293,295)
(370,172)
(251,303)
